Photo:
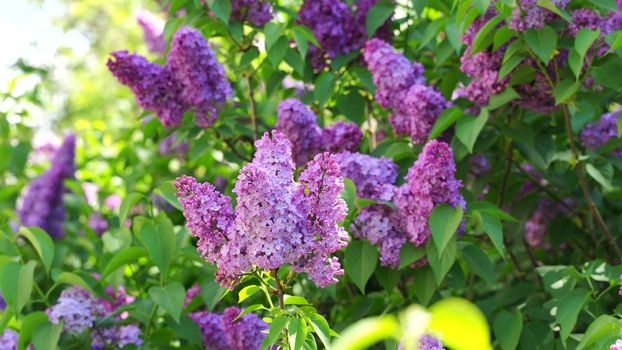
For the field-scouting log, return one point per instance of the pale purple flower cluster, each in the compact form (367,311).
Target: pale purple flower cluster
(117,336)
(479,165)
(8,339)
(98,223)
(430,182)
(192,293)
(427,342)
(531,16)
(584,18)
(617,345)
(374,177)
(337,29)
(595,134)
(192,79)
(380,226)
(42,205)
(221,332)
(171,147)
(256,12)
(276,221)
(400,86)
(299,124)
(77,308)
(153,31)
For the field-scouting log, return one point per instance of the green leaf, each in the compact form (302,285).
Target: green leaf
(548,4)
(324,86)
(598,175)
(479,263)
(490,208)
(483,38)
(565,90)
(167,191)
(360,261)
(481,6)
(46,336)
(568,311)
(444,221)
(277,51)
(125,256)
(542,42)
(170,298)
(127,204)
(247,292)
(250,309)
(211,292)
(426,285)
(619,124)
(441,263)
(468,128)
(74,280)
(43,244)
(365,333)
(159,239)
(387,277)
(377,15)
(295,300)
(29,323)
(575,61)
(444,121)
(352,106)
(297,332)
(16,282)
(502,36)
(523,74)
(507,328)
(349,193)
(607,74)
(494,230)
(409,254)
(460,324)
(584,40)
(186,329)
(275,332)
(221,8)
(603,327)
(508,66)
(320,326)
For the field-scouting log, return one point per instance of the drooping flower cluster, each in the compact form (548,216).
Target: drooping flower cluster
(595,134)
(8,340)
(379,225)
(276,221)
(153,31)
(299,124)
(192,79)
(528,15)
(223,332)
(479,165)
(430,182)
(374,177)
(337,29)
(42,205)
(256,12)
(400,86)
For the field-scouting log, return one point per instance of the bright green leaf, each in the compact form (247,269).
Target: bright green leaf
(46,336)
(247,292)
(125,256)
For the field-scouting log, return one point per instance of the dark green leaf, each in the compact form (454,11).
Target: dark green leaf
(542,42)
(444,221)
(604,326)
(159,239)
(444,121)
(409,254)
(568,311)
(494,230)
(565,90)
(167,191)
(127,204)
(502,98)
(468,128)
(377,15)
(125,256)
(441,263)
(483,39)
(170,298)
(16,282)
(387,277)
(29,324)
(324,86)
(221,8)
(360,261)
(507,328)
(479,263)
(275,332)
(425,286)
(46,336)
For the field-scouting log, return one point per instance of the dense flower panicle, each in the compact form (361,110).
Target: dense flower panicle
(221,332)
(153,85)
(299,124)
(374,177)
(595,134)
(417,112)
(430,182)
(192,293)
(584,18)
(42,205)
(153,31)
(8,339)
(532,16)
(536,95)
(77,308)
(469,35)
(98,223)
(392,72)
(171,147)
(256,12)
(379,225)
(483,69)
(479,165)
(617,345)
(276,221)
(428,342)
(204,83)
(116,336)
(342,136)
(612,23)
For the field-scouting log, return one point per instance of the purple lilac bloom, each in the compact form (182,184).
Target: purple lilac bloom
(374,177)
(117,336)
(129,334)
(483,69)
(584,18)
(392,72)
(256,12)
(2,302)
(617,345)
(212,328)
(8,339)
(417,112)
(42,205)
(595,134)
(77,308)
(170,147)
(153,85)
(469,35)
(192,293)
(427,342)
(342,136)
(202,78)
(113,201)
(298,123)
(612,23)
(479,165)
(153,31)
(221,332)
(379,225)
(430,182)
(532,16)
(537,225)
(276,221)
(98,223)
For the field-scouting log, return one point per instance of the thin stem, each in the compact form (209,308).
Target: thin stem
(280,296)
(584,185)
(251,97)
(533,261)
(154,308)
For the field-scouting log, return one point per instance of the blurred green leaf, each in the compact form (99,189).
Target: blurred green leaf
(170,298)
(460,324)
(43,244)
(377,15)
(46,336)
(441,262)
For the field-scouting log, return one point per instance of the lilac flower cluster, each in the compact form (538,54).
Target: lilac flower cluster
(595,134)
(400,86)
(430,182)
(276,221)
(256,12)
(528,15)
(192,79)
(170,147)
(337,29)
(479,165)
(153,31)
(373,177)
(221,332)
(299,124)
(98,223)
(617,345)
(427,342)
(380,226)
(42,205)
(537,225)
(8,339)
(77,308)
